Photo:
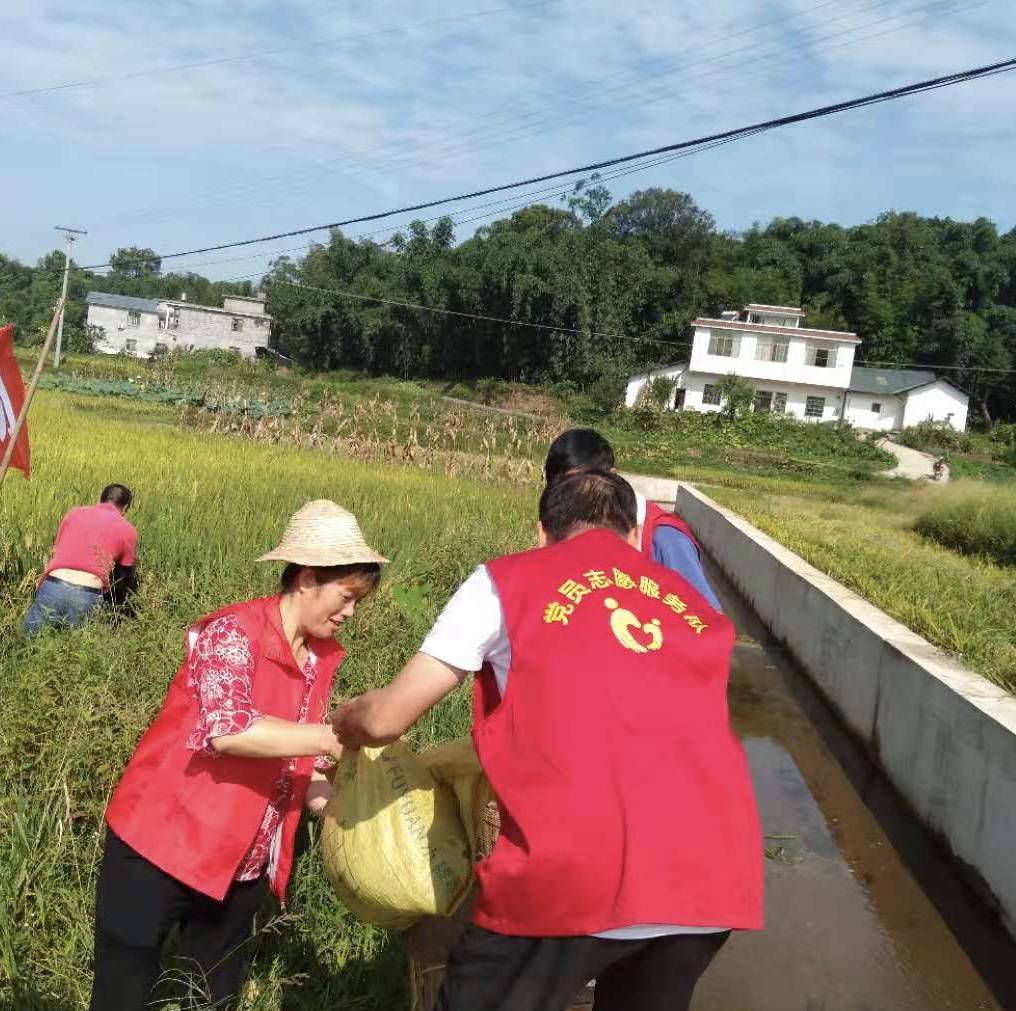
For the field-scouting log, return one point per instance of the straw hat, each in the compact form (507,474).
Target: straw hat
(323,533)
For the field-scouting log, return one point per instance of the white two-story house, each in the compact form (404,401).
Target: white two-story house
(794,370)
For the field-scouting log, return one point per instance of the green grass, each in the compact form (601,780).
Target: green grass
(687,443)
(969,468)
(975,520)
(972,456)
(865,538)
(76,702)
(366,412)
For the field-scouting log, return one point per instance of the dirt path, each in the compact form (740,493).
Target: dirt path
(911,463)
(491,409)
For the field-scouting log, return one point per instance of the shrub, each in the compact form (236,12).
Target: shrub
(975,520)
(659,391)
(606,393)
(492,391)
(936,437)
(737,396)
(1003,444)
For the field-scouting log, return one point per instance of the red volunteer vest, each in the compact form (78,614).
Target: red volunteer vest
(195,815)
(625,797)
(656,518)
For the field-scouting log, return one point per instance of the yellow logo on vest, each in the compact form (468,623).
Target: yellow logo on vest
(624,622)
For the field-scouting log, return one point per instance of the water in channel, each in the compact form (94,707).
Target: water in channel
(864,912)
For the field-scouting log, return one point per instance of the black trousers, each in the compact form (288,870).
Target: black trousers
(136,907)
(494,972)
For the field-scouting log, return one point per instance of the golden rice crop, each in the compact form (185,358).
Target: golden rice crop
(75,702)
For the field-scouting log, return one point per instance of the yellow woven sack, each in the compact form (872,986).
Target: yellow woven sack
(455,764)
(392,840)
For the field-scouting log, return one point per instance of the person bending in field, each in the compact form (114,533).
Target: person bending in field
(630,843)
(663,536)
(93,563)
(202,825)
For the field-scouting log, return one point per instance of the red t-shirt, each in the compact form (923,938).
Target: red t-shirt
(94,539)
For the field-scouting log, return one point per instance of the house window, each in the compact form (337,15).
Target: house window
(259,322)
(763,402)
(814,407)
(133,318)
(174,320)
(822,358)
(130,345)
(160,349)
(678,399)
(779,403)
(876,408)
(711,394)
(725,347)
(234,350)
(771,351)
(237,323)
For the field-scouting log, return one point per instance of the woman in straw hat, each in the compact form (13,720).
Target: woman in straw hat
(203,821)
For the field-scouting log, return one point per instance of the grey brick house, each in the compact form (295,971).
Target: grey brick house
(144,326)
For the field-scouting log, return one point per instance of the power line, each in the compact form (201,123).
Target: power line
(932,368)
(262,54)
(366,158)
(596,333)
(467,315)
(544,117)
(573,330)
(548,118)
(501,207)
(738,133)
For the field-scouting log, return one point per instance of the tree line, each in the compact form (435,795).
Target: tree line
(28,294)
(612,287)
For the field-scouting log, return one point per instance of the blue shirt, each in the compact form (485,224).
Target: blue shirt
(676,551)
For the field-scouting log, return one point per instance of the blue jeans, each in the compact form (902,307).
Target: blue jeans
(59,603)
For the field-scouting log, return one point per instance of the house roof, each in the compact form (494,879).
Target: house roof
(123,302)
(787,309)
(657,369)
(198,307)
(865,380)
(789,331)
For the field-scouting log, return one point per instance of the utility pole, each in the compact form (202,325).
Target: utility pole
(69,236)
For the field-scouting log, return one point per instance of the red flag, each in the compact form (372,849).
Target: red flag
(12,396)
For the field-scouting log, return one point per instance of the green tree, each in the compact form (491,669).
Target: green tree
(134,262)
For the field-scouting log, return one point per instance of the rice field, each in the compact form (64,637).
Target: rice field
(76,702)
(866,539)
(976,519)
(211,494)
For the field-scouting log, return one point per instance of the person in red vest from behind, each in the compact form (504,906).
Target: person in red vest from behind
(630,843)
(203,822)
(663,535)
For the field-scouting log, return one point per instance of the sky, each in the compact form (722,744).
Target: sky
(193,122)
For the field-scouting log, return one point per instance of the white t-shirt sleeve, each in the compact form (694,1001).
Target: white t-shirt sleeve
(471,629)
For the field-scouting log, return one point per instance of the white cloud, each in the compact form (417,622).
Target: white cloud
(338,125)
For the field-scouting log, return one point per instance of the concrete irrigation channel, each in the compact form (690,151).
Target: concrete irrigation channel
(867,907)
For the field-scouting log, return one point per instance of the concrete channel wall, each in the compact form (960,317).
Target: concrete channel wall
(944,736)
